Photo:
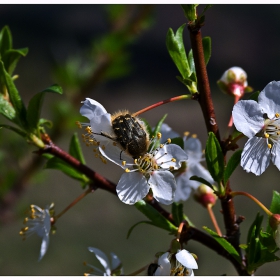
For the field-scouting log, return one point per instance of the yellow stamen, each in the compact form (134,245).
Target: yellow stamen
(266,135)
(124,163)
(194,136)
(269,146)
(161,146)
(158,135)
(186,133)
(127,170)
(173,159)
(277,115)
(168,140)
(78,124)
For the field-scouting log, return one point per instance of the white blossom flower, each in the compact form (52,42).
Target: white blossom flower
(38,222)
(110,269)
(260,122)
(192,147)
(149,171)
(182,266)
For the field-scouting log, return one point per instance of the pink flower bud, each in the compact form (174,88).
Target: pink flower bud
(205,195)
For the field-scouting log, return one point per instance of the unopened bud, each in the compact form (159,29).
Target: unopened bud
(205,195)
(234,82)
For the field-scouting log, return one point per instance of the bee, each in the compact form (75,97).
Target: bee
(131,134)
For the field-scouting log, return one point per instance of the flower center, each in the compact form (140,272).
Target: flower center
(271,130)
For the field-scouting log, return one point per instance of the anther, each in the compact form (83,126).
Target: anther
(124,163)
(269,146)
(168,140)
(127,170)
(277,115)
(266,135)
(159,135)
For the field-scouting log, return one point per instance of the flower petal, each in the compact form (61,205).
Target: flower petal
(115,154)
(167,132)
(103,124)
(269,99)
(186,259)
(132,187)
(92,108)
(248,117)
(256,156)
(163,185)
(183,188)
(102,258)
(169,151)
(44,246)
(275,154)
(192,147)
(115,261)
(164,266)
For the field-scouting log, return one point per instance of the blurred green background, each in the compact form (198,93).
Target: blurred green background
(242,35)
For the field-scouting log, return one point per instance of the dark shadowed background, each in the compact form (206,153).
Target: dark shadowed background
(242,35)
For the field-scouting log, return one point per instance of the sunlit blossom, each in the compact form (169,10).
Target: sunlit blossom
(260,122)
(149,171)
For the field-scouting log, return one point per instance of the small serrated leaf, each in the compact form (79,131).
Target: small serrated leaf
(156,218)
(6,109)
(233,162)
(201,180)
(214,157)
(176,49)
(206,42)
(177,213)
(35,105)
(14,96)
(225,244)
(75,149)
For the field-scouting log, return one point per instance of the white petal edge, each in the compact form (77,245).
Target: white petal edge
(269,99)
(132,187)
(256,156)
(248,117)
(163,185)
(102,258)
(186,259)
(164,266)
(92,108)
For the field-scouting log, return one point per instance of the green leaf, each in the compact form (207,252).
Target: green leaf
(190,11)
(134,226)
(261,247)
(35,105)
(178,141)
(254,96)
(201,180)
(206,42)
(158,126)
(18,131)
(6,109)
(156,218)
(12,57)
(14,96)
(274,207)
(177,213)
(176,49)
(225,244)
(5,40)
(214,157)
(75,149)
(233,162)
(275,203)
(59,164)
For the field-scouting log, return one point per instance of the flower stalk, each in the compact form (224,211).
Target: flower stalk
(233,194)
(172,99)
